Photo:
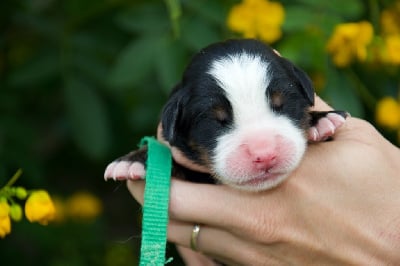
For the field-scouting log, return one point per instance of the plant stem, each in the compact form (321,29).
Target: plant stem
(175,12)
(374,14)
(14,178)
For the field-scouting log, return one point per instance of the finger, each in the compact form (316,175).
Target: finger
(351,128)
(187,204)
(136,188)
(320,105)
(194,258)
(221,245)
(210,241)
(176,230)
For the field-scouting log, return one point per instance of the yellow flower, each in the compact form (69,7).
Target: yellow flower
(39,207)
(83,206)
(257,18)
(392,44)
(387,113)
(349,41)
(60,210)
(5,222)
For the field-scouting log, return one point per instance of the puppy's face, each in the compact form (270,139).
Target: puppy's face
(241,110)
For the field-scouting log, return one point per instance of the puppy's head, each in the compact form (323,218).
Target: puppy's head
(240,110)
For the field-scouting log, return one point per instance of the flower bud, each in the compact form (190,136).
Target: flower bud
(16,212)
(21,193)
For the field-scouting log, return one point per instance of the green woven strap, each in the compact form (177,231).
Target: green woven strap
(156,200)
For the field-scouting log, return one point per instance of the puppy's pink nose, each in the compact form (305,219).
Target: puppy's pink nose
(264,161)
(264,158)
(263,155)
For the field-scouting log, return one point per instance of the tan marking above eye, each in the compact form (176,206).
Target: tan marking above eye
(277,99)
(220,113)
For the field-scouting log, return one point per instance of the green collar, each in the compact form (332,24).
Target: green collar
(156,200)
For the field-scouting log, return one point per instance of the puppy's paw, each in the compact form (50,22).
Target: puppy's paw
(326,126)
(125,170)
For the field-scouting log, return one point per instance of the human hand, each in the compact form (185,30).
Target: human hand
(341,206)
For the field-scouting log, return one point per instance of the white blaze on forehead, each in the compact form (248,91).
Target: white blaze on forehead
(244,78)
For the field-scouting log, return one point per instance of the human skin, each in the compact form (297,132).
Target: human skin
(340,206)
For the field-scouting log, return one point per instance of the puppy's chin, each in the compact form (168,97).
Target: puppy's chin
(257,183)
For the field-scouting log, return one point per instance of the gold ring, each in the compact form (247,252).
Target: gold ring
(194,236)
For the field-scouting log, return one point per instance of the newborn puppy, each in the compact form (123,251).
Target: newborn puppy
(243,112)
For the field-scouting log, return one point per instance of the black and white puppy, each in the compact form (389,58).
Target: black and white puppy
(243,112)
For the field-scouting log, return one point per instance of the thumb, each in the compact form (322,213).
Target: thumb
(320,105)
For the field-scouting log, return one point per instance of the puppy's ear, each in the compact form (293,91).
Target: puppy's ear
(171,113)
(305,83)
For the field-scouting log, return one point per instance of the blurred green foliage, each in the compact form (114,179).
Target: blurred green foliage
(82,81)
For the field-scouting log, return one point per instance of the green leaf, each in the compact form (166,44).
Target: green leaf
(87,117)
(170,64)
(90,66)
(197,33)
(299,18)
(75,8)
(40,69)
(309,55)
(134,62)
(345,8)
(151,17)
(209,10)
(107,42)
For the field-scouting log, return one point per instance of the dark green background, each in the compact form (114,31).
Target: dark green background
(82,81)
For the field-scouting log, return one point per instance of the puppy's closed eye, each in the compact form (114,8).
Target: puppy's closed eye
(221,115)
(277,100)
